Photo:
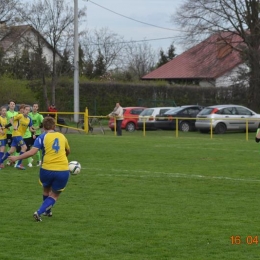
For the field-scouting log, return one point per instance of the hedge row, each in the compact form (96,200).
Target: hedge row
(100,98)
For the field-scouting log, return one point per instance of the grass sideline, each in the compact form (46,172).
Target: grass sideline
(157,197)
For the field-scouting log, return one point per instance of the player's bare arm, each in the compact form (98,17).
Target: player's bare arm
(25,155)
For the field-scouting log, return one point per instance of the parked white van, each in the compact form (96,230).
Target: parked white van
(148,116)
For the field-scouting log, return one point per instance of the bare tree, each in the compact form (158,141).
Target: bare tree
(7,10)
(202,18)
(139,59)
(103,43)
(53,19)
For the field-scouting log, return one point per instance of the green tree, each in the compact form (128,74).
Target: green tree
(164,58)
(64,66)
(99,66)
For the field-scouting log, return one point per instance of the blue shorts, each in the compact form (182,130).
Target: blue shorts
(3,142)
(57,180)
(17,141)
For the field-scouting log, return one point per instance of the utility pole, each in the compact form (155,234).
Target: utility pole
(76,62)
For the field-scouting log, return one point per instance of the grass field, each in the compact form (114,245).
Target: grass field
(140,198)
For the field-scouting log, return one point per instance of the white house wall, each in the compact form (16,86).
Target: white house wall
(30,39)
(230,78)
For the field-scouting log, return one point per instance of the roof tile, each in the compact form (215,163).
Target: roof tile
(208,60)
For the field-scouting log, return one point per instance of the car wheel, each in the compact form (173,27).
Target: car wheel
(130,127)
(184,126)
(220,128)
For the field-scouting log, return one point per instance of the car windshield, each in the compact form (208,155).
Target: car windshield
(147,112)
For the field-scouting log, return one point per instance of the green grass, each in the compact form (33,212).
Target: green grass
(140,198)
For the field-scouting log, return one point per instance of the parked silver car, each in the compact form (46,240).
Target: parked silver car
(226,117)
(148,116)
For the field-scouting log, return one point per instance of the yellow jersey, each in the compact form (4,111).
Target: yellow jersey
(21,123)
(53,146)
(3,123)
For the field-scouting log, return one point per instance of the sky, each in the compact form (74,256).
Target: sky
(112,14)
(155,12)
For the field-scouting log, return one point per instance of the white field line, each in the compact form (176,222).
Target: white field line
(149,174)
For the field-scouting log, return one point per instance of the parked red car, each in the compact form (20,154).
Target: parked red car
(131,115)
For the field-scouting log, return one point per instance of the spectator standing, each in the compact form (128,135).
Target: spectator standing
(52,110)
(118,114)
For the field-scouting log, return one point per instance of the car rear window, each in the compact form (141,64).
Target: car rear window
(147,112)
(136,111)
(206,111)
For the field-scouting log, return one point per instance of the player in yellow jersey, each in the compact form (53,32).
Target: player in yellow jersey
(20,123)
(54,171)
(37,124)
(9,114)
(3,131)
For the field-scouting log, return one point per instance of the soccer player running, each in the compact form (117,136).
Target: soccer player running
(54,171)
(3,131)
(37,124)
(27,137)
(20,123)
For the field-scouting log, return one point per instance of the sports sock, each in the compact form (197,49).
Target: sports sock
(44,198)
(47,204)
(4,157)
(20,161)
(29,159)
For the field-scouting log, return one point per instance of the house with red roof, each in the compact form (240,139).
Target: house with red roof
(14,39)
(215,61)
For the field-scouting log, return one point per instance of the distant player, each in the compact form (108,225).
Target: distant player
(9,114)
(37,124)
(27,137)
(3,131)
(20,123)
(54,171)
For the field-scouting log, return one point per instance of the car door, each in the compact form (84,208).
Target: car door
(163,122)
(192,113)
(231,118)
(245,113)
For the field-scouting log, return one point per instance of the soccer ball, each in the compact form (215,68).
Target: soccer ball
(74,167)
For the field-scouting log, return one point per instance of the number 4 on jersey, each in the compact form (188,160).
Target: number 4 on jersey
(56,145)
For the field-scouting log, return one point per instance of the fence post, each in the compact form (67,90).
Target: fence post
(86,120)
(211,129)
(177,127)
(246,129)
(114,125)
